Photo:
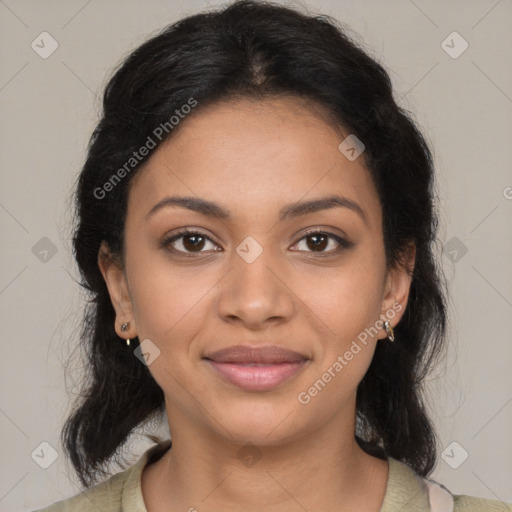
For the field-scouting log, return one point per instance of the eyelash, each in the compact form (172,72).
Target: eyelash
(344,244)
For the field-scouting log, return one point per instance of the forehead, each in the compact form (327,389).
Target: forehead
(252,155)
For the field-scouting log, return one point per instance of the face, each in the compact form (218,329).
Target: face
(256,270)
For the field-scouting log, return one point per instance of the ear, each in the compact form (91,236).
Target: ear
(396,289)
(115,278)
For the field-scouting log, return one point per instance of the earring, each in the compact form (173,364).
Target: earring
(389,331)
(123,328)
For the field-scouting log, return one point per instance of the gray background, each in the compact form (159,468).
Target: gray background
(48,110)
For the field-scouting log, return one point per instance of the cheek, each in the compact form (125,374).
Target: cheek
(345,306)
(169,300)
(170,306)
(346,299)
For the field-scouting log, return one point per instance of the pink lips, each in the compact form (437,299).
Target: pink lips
(256,369)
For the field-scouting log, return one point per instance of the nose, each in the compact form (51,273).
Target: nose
(256,294)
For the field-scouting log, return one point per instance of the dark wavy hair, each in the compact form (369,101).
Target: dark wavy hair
(258,50)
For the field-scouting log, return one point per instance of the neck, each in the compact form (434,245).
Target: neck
(325,470)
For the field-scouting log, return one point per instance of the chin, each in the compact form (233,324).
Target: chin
(263,423)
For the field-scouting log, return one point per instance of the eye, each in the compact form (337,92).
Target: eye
(319,241)
(188,241)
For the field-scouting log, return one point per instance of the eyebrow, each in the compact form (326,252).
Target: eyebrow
(292,210)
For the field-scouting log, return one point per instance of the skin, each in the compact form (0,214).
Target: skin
(253,158)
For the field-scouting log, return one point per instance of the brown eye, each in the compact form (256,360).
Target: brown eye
(193,242)
(319,241)
(187,242)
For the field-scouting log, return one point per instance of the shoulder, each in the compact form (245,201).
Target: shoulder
(407,490)
(442,499)
(120,492)
(473,504)
(105,496)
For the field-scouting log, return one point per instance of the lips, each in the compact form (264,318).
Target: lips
(242,354)
(256,369)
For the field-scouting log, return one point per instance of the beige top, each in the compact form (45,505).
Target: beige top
(406,491)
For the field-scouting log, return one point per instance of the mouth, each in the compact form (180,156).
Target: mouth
(256,369)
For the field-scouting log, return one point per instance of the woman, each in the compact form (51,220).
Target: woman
(255,224)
